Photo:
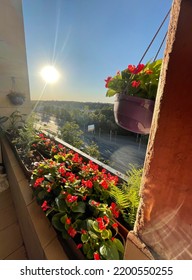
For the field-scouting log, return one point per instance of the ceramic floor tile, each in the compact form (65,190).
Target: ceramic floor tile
(19,254)
(10,240)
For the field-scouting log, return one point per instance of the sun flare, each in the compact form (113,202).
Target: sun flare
(49,74)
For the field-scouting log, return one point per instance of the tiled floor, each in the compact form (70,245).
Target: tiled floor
(11,242)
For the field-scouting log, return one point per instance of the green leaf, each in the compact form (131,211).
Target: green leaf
(89,224)
(95,226)
(65,235)
(109,251)
(49,178)
(56,222)
(86,248)
(42,195)
(93,235)
(79,207)
(110,92)
(63,219)
(61,204)
(49,211)
(84,238)
(105,234)
(119,245)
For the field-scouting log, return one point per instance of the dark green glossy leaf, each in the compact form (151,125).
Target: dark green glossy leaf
(109,251)
(56,222)
(79,207)
(61,204)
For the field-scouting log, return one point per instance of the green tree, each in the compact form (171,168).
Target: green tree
(92,150)
(71,134)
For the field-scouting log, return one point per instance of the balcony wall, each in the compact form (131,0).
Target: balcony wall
(13,61)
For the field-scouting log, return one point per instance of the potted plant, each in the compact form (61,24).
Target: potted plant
(76,196)
(135,90)
(16,98)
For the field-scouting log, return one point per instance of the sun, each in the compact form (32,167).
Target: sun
(49,74)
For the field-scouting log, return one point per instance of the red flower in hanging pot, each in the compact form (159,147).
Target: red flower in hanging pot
(139,68)
(135,84)
(107,81)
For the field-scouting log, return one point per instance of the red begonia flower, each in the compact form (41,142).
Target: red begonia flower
(71,198)
(114,210)
(80,245)
(68,221)
(135,83)
(71,231)
(131,68)
(45,206)
(38,181)
(104,184)
(107,81)
(96,256)
(139,68)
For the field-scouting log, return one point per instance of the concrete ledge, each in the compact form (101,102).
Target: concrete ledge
(40,238)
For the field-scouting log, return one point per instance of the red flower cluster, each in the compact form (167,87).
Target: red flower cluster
(114,210)
(72,232)
(71,198)
(38,182)
(103,222)
(135,69)
(45,206)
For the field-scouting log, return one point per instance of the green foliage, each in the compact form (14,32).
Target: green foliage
(15,120)
(2,121)
(92,150)
(145,77)
(27,134)
(127,196)
(71,134)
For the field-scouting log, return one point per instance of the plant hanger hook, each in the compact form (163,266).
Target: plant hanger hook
(13,83)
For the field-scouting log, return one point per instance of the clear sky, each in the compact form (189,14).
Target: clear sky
(88,40)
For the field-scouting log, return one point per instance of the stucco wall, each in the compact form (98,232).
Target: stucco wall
(13,61)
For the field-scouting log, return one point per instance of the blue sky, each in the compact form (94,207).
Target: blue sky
(88,40)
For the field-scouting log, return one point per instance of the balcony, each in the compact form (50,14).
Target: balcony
(164,217)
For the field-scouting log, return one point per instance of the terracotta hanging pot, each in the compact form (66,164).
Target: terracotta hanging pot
(133,113)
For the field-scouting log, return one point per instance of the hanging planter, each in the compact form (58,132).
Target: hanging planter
(16,98)
(133,113)
(135,91)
